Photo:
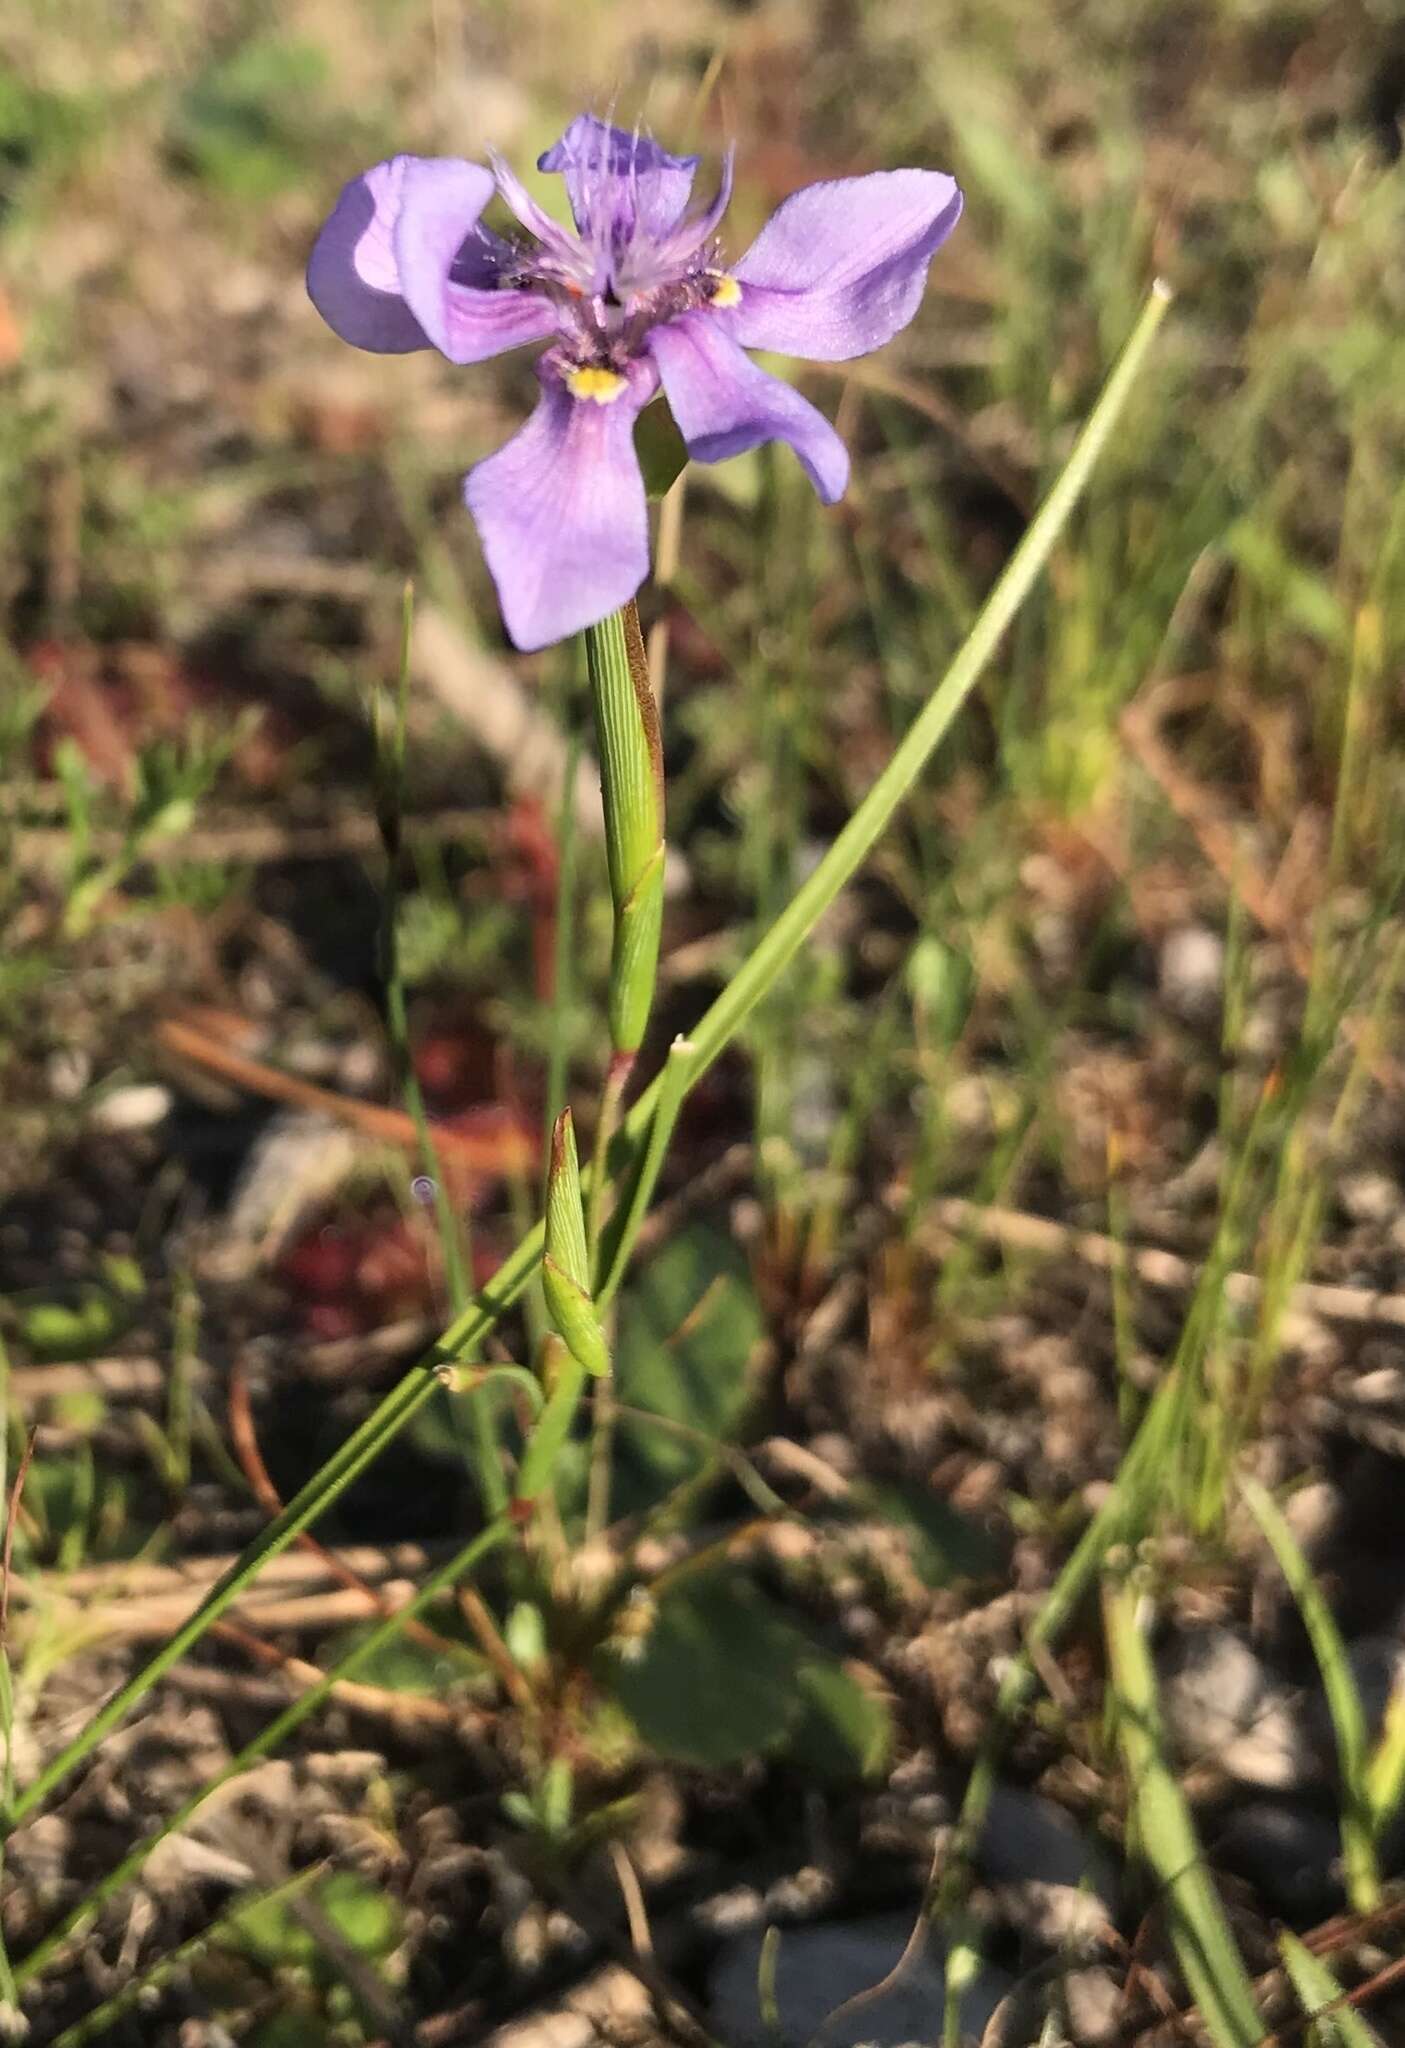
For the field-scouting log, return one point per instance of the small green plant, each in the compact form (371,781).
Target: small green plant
(246,124)
(169,779)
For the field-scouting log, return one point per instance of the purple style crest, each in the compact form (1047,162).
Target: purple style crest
(635,301)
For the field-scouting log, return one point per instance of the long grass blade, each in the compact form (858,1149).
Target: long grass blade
(1360,1866)
(1205,1948)
(1332,2023)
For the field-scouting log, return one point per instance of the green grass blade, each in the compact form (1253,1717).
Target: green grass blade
(103,2018)
(1205,1948)
(7,1697)
(1385,1769)
(1317,1990)
(623,1230)
(855,841)
(1362,1872)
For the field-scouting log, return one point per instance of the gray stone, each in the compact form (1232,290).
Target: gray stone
(821,1966)
(138,1107)
(1369,1196)
(1225,1708)
(1095,2001)
(1027,1839)
(1191,970)
(1291,1852)
(1378,1666)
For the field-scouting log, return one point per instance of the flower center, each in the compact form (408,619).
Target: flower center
(629,266)
(597,385)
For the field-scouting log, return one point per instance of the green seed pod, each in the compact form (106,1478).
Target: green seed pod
(565,1264)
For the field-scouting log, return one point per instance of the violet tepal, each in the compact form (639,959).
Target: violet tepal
(636,300)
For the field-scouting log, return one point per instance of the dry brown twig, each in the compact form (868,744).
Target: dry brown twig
(1221,840)
(244,1437)
(509,1148)
(473,1607)
(1016,1230)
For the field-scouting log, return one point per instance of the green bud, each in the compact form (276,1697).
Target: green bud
(565,1263)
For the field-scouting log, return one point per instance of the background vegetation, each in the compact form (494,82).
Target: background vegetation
(1005,1526)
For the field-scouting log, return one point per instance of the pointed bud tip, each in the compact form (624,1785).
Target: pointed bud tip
(563,1137)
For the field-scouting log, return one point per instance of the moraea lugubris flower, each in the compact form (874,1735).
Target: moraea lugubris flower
(637,299)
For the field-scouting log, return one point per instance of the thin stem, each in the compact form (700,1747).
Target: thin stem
(602,1441)
(482,1450)
(714,1032)
(564,941)
(142,1990)
(602,1412)
(543,1446)
(263,1744)
(614,1251)
(607,1123)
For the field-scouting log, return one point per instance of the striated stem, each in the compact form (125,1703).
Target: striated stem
(631,787)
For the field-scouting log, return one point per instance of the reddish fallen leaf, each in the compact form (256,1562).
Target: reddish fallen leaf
(112,701)
(352,1274)
(11,333)
(456,1064)
(360,1273)
(84,708)
(487,1142)
(530,844)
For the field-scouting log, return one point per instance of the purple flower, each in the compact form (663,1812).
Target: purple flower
(636,299)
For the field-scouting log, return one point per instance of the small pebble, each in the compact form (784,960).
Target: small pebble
(1370,1197)
(1225,1708)
(1292,1853)
(820,1967)
(1095,2002)
(1191,970)
(68,1072)
(139,1107)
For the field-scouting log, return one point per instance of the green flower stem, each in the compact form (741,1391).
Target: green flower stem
(264,1743)
(631,787)
(632,794)
(543,1446)
(720,1024)
(602,1415)
(563,940)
